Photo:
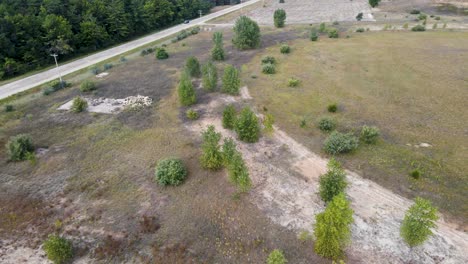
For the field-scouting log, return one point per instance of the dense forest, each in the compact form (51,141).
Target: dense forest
(30,30)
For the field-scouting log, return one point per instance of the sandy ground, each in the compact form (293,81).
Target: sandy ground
(285,185)
(109,105)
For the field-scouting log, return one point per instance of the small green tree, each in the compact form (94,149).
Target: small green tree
(186,91)
(333,182)
(332,228)
(418,221)
(279,18)
(58,249)
(370,134)
(247,126)
(161,54)
(322,27)
(192,66)
(359,16)
(337,143)
(217,53)
(374,3)
(87,86)
(313,34)
(268,122)
(211,158)
(333,33)
(19,147)
(79,105)
(238,172)
(170,172)
(231,80)
(229,149)
(229,117)
(246,34)
(210,77)
(276,257)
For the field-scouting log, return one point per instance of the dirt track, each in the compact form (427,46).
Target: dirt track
(285,179)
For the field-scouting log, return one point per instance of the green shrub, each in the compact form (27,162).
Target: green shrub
(422,17)
(285,49)
(415,12)
(192,114)
(79,105)
(293,82)
(333,33)
(123,59)
(437,18)
(246,34)
(322,27)
(54,86)
(217,53)
(195,30)
(182,35)
(268,122)
(370,134)
(418,222)
(95,70)
(360,30)
(336,23)
(19,147)
(359,16)
(405,26)
(9,108)
(333,182)
(415,174)
(192,66)
(374,3)
(279,18)
(209,77)
(247,126)
(303,123)
(281,1)
(418,28)
(434,26)
(211,157)
(58,249)
(231,80)
(229,149)
(276,257)
(161,54)
(87,86)
(268,60)
(238,172)
(229,117)
(332,228)
(337,143)
(332,108)
(108,66)
(170,172)
(313,34)
(326,124)
(186,91)
(268,68)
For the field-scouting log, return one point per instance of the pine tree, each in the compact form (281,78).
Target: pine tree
(192,66)
(238,172)
(229,149)
(186,92)
(211,158)
(210,77)
(247,126)
(418,221)
(332,228)
(229,117)
(217,53)
(333,182)
(231,80)
(279,18)
(246,34)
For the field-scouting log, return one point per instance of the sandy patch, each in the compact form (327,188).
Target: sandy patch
(111,106)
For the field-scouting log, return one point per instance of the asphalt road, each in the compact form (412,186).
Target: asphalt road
(48,75)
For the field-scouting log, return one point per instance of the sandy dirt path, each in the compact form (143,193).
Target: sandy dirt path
(285,178)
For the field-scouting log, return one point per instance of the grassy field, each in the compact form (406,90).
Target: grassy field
(410,85)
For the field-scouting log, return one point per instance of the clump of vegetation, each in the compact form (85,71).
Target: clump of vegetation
(192,114)
(276,257)
(293,82)
(333,182)
(146,51)
(418,222)
(359,16)
(281,1)
(418,28)
(170,172)
(332,228)
(322,27)
(374,3)
(314,34)
(326,124)
(123,59)
(79,105)
(54,86)
(231,80)
(87,86)
(229,149)
(285,49)
(211,158)
(20,147)
(360,30)
(415,12)
(238,172)
(95,70)
(195,30)
(279,18)
(58,249)
(434,26)
(305,236)
(422,17)
(209,77)
(246,34)
(333,33)
(405,26)
(415,174)
(337,143)
(192,66)
(332,108)
(268,122)
(217,53)
(437,18)
(268,68)
(370,134)
(186,91)
(268,59)
(161,54)
(247,126)
(9,108)
(229,117)
(303,123)
(108,66)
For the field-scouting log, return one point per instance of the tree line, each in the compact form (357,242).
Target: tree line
(30,30)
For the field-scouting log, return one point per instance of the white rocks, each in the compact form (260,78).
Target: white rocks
(110,105)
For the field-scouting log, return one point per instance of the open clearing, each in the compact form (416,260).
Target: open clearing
(94,172)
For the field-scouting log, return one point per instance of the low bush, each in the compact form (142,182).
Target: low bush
(415,12)
(195,30)
(332,108)
(434,26)
(418,28)
(268,122)
(405,26)
(123,59)
(143,52)
(335,23)
(279,17)
(19,147)
(322,27)
(185,90)
(238,172)
(9,108)
(437,18)
(87,86)
(170,172)
(268,68)
(285,49)
(108,66)
(333,182)
(374,3)
(228,149)
(360,30)
(303,123)
(54,86)
(326,124)
(276,257)
(281,1)
(209,77)
(313,35)
(182,35)
(231,80)
(333,33)
(95,70)
(418,223)
(370,134)
(229,117)
(58,249)
(79,105)
(293,82)
(359,16)
(192,66)
(415,174)
(211,157)
(247,126)
(268,59)
(192,114)
(337,143)
(422,17)
(161,54)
